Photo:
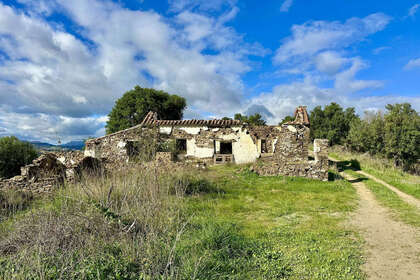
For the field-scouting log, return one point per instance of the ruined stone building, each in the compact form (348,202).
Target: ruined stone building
(274,150)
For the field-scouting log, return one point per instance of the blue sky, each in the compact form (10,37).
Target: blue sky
(64,63)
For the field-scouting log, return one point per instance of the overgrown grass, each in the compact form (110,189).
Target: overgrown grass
(119,227)
(225,223)
(292,228)
(401,210)
(383,169)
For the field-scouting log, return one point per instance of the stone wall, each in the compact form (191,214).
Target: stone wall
(282,149)
(51,170)
(315,169)
(114,149)
(42,175)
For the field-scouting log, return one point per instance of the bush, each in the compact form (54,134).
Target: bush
(13,155)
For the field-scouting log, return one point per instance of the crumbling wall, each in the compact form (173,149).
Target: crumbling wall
(292,144)
(42,175)
(51,170)
(284,149)
(315,169)
(114,150)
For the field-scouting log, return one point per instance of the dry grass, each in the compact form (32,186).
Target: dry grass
(124,223)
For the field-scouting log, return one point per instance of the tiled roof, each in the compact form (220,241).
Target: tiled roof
(151,120)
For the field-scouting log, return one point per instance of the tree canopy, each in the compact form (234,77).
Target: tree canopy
(395,134)
(287,119)
(402,134)
(332,122)
(255,119)
(13,155)
(132,107)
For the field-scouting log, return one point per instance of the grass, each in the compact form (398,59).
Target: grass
(401,210)
(383,169)
(224,223)
(295,226)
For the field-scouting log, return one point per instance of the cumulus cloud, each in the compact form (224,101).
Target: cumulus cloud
(49,127)
(329,62)
(48,71)
(316,54)
(283,99)
(287,4)
(315,36)
(413,63)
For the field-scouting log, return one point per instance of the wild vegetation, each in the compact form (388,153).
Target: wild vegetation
(394,134)
(225,223)
(13,155)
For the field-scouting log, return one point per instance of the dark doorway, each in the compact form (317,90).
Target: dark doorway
(133,148)
(181,145)
(263,146)
(226,147)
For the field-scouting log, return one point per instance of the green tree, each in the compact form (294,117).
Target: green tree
(13,155)
(132,107)
(367,135)
(255,119)
(402,134)
(287,119)
(332,122)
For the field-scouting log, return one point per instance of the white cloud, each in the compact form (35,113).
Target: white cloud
(49,127)
(287,4)
(316,53)
(413,10)
(203,5)
(413,63)
(346,82)
(329,62)
(283,99)
(52,72)
(315,36)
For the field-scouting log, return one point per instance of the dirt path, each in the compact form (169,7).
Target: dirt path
(406,197)
(392,248)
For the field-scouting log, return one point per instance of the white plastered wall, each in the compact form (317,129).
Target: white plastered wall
(198,152)
(244,149)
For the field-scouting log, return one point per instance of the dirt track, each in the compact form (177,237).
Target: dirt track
(406,197)
(392,248)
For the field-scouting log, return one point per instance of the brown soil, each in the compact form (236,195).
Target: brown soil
(392,248)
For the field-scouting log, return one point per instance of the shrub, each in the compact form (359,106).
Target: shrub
(13,155)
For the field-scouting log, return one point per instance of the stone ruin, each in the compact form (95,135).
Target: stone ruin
(272,150)
(51,170)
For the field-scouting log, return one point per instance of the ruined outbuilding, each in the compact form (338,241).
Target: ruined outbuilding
(51,170)
(274,150)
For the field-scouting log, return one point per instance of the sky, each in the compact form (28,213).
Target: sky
(63,63)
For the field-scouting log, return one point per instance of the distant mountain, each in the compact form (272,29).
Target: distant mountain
(72,145)
(39,144)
